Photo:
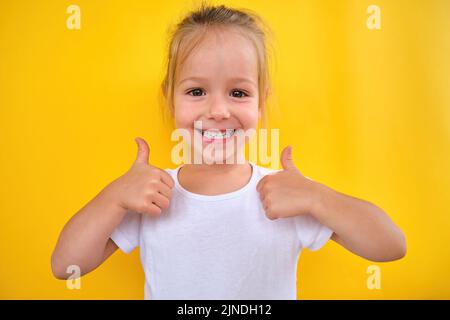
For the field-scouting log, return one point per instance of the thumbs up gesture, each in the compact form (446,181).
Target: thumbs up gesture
(144,188)
(286,193)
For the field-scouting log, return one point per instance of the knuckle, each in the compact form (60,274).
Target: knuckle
(271,214)
(151,185)
(152,182)
(150,193)
(166,204)
(155,172)
(150,209)
(143,208)
(156,211)
(149,204)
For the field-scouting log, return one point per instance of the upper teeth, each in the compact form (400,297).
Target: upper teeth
(214,134)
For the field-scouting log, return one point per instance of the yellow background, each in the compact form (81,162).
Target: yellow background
(367,111)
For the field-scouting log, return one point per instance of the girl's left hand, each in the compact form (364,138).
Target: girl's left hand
(287,193)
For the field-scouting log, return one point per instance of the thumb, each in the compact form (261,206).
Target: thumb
(286,159)
(143,151)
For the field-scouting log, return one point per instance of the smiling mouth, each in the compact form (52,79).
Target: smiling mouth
(216,134)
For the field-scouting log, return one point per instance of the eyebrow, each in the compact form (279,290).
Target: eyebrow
(237,79)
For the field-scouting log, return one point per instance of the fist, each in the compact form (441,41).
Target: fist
(286,193)
(144,188)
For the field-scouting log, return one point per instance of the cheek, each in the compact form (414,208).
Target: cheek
(248,116)
(185,113)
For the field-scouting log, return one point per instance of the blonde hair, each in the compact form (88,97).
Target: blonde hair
(188,33)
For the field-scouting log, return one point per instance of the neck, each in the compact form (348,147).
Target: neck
(215,168)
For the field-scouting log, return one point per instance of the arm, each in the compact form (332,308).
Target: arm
(358,225)
(84,240)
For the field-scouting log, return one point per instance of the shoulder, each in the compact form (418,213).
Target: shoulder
(172,171)
(261,171)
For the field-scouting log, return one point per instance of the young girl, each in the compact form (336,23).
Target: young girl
(220,230)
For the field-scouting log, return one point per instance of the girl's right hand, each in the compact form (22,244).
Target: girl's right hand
(144,188)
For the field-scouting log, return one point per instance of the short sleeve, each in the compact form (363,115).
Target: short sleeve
(126,235)
(312,234)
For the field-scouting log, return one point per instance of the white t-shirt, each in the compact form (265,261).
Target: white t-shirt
(219,247)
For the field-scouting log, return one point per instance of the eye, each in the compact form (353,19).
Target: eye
(240,94)
(196,92)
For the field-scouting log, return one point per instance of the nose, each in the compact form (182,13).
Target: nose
(218,110)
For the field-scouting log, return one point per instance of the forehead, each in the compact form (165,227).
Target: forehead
(224,53)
